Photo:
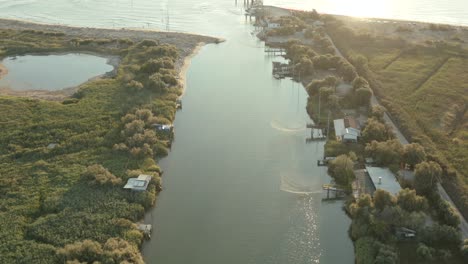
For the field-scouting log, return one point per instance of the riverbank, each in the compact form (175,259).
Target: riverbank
(83,149)
(186,65)
(66,92)
(3,70)
(185,42)
(369,49)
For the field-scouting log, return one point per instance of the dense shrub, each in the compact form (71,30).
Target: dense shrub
(97,174)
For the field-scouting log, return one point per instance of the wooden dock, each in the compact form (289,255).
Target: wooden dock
(339,193)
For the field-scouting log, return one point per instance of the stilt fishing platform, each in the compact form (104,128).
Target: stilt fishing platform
(338,192)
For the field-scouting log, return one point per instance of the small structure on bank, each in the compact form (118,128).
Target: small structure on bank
(273,25)
(163,128)
(178,104)
(339,193)
(383,178)
(281,70)
(405,233)
(138,184)
(346,133)
(146,229)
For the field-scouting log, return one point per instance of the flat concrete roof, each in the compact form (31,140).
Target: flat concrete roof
(388,181)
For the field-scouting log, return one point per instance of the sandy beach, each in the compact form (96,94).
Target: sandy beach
(186,65)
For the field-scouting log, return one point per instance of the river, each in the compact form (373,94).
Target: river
(240,184)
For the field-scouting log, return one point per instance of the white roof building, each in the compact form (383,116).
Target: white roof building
(339,127)
(138,184)
(344,134)
(383,178)
(273,25)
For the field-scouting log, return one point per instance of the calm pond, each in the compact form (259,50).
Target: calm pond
(51,72)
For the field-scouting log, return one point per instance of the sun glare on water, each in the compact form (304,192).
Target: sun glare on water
(359,8)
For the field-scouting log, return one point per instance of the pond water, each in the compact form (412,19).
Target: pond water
(51,72)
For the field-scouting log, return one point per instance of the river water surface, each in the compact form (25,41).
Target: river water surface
(240,184)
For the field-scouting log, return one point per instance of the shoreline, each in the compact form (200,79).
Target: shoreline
(188,45)
(183,41)
(66,92)
(3,70)
(370,18)
(186,65)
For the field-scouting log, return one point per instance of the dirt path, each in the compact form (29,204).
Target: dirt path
(463,223)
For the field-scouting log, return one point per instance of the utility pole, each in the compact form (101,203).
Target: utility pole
(318,119)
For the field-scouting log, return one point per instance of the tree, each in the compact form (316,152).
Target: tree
(447,214)
(134,85)
(305,66)
(382,199)
(156,83)
(408,200)
(375,130)
(86,251)
(441,236)
(385,153)
(413,154)
(331,81)
(464,250)
(362,96)
(97,174)
(377,112)
(359,82)
(425,253)
(333,101)
(426,175)
(386,255)
(326,92)
(309,32)
(361,63)
(347,71)
(342,170)
(117,250)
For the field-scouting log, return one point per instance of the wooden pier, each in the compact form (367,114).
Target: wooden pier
(275,51)
(339,193)
(179,104)
(324,162)
(281,70)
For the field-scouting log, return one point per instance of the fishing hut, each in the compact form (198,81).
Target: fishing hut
(281,70)
(146,230)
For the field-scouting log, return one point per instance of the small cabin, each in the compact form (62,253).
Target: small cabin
(273,25)
(163,128)
(403,232)
(138,184)
(319,23)
(344,133)
(146,230)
